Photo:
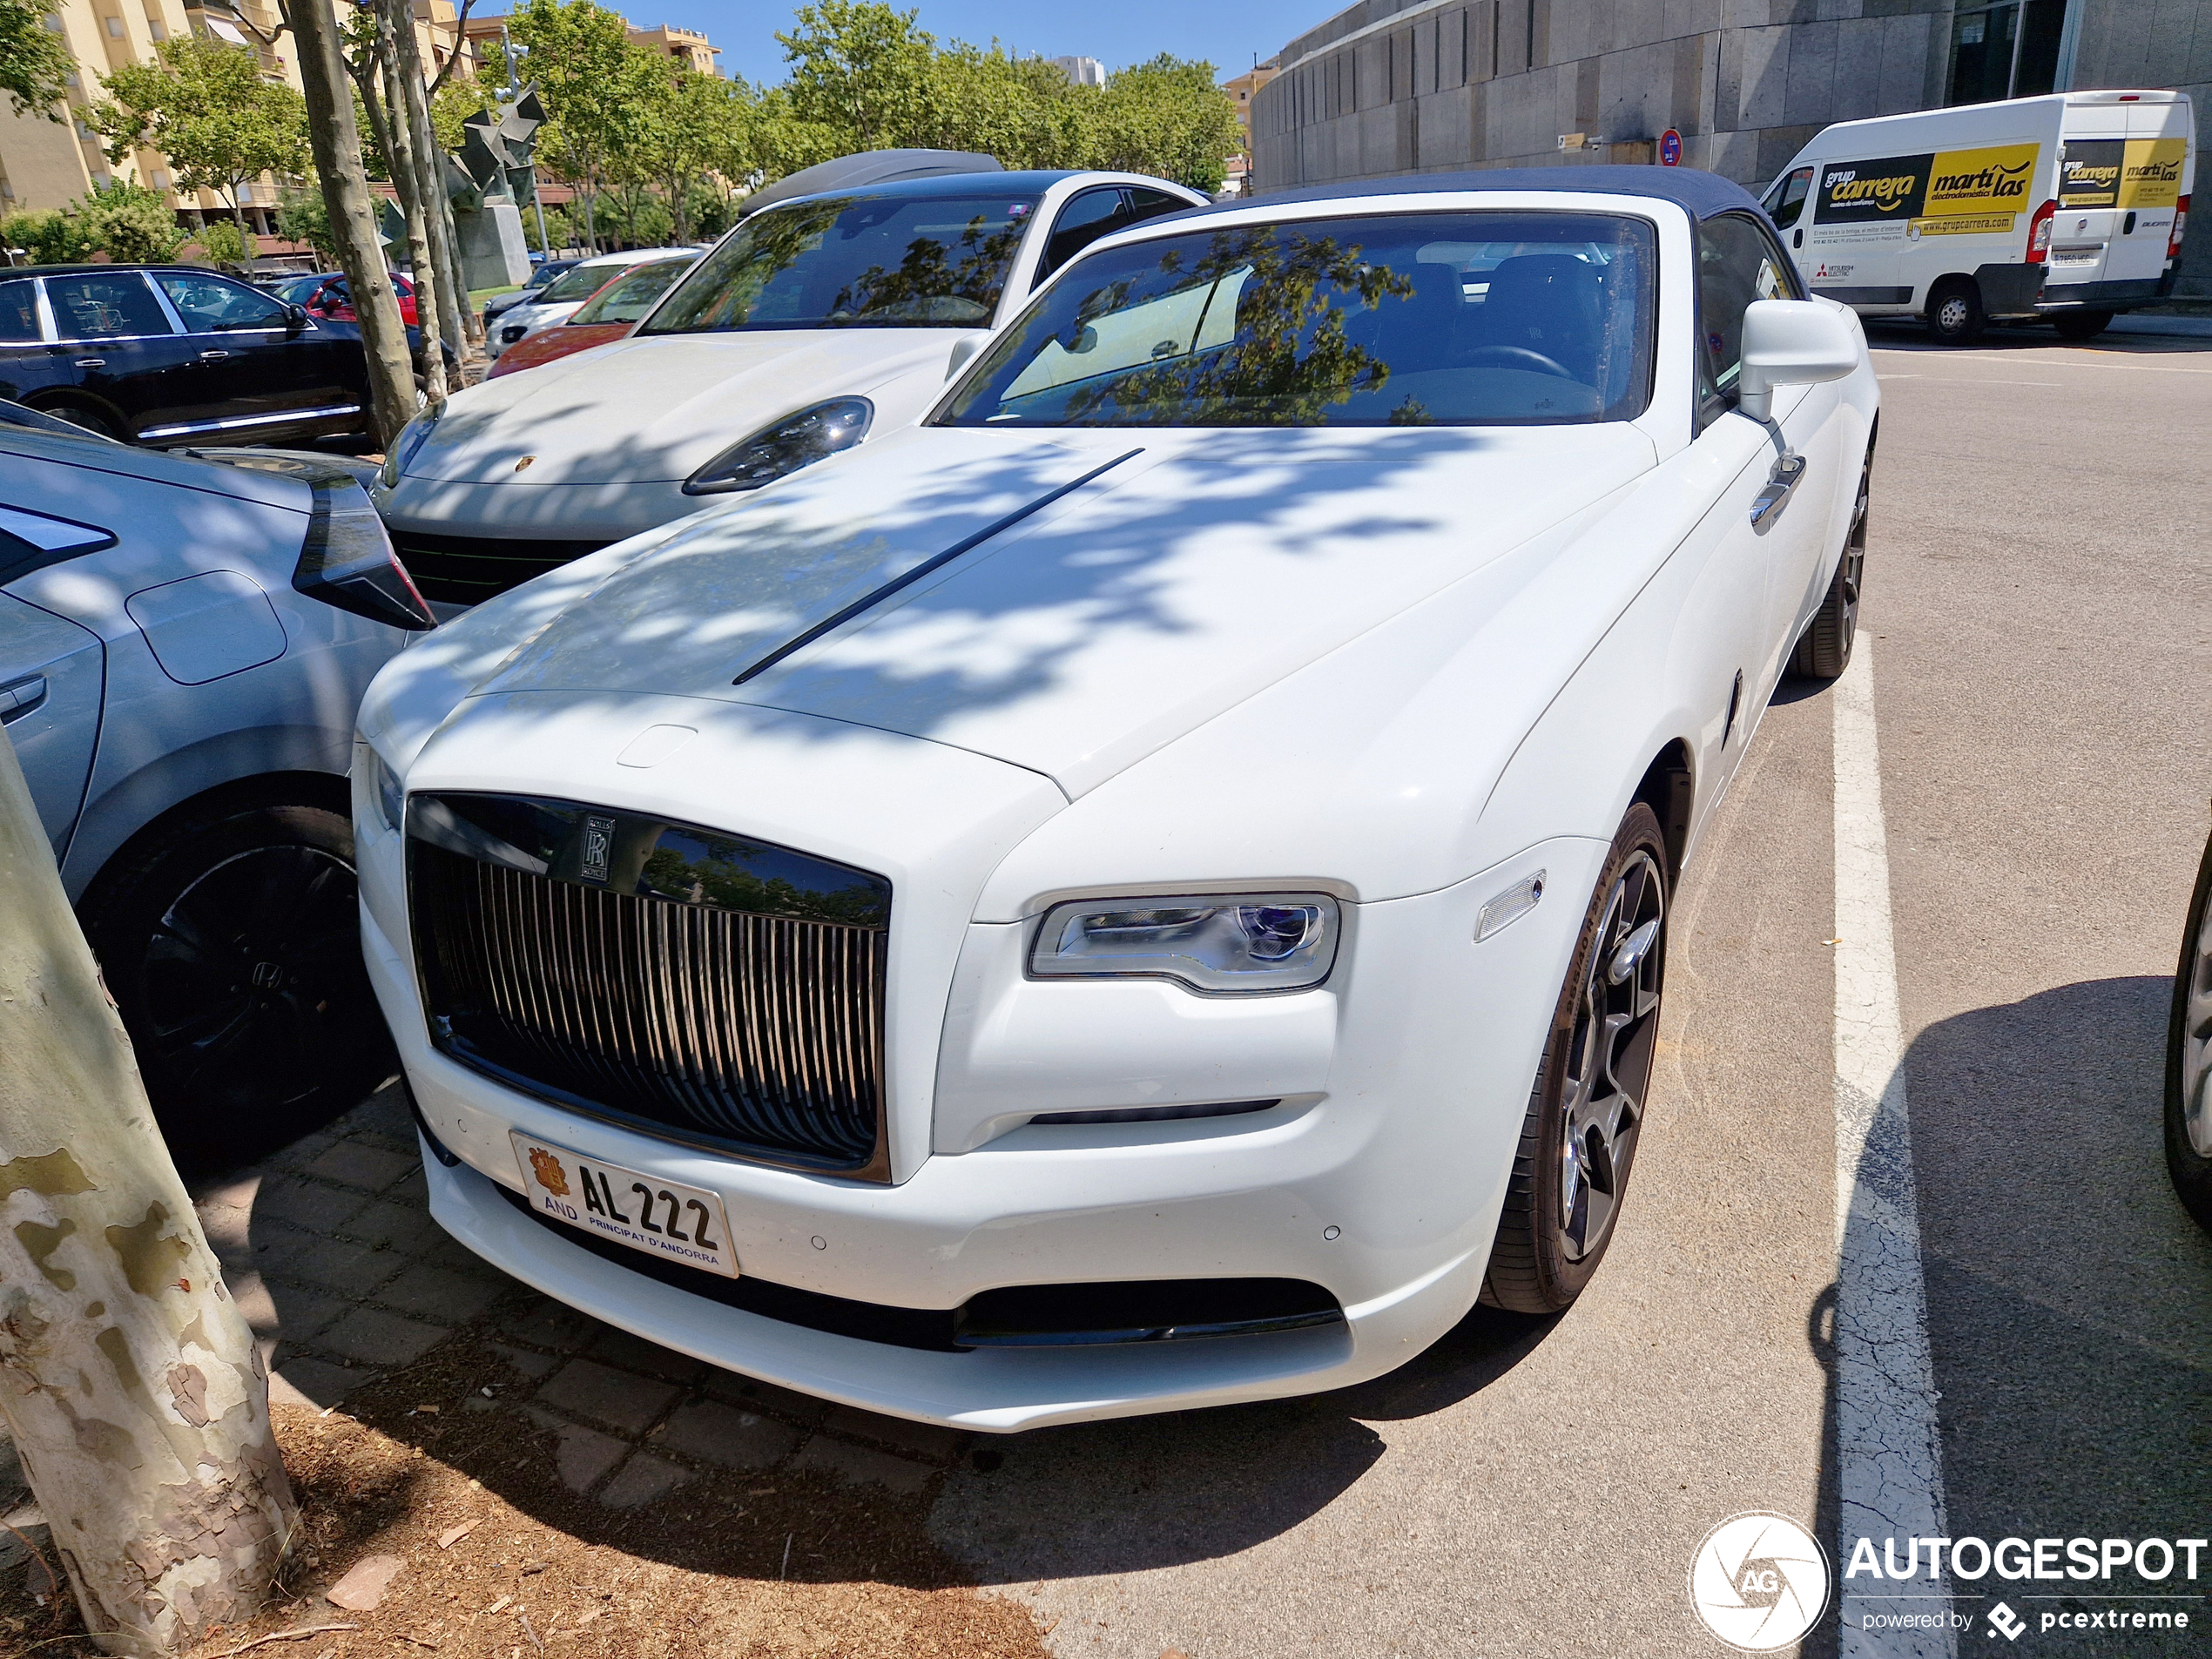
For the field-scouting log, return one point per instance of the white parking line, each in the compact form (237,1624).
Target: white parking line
(1889,1461)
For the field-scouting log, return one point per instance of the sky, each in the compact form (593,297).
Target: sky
(1227,32)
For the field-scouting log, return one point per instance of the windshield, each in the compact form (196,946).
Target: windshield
(578,282)
(1480,319)
(631,296)
(855,261)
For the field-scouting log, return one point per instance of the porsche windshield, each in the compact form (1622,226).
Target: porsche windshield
(1471,319)
(855,262)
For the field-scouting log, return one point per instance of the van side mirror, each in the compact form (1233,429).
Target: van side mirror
(964,350)
(1791,342)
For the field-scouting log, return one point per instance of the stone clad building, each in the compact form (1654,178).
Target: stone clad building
(1391,86)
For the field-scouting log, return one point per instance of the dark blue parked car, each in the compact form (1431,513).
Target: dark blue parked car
(172,354)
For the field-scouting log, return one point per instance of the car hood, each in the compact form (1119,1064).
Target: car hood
(657,408)
(1074,600)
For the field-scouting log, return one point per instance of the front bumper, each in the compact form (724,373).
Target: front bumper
(1381,1182)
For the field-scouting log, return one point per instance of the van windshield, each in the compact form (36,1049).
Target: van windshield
(1473,318)
(855,262)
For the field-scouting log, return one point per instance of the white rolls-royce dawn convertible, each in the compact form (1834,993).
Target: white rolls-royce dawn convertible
(1148,887)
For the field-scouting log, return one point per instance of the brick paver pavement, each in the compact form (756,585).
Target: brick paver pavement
(329,1249)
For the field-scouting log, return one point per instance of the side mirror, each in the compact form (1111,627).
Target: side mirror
(295,319)
(963,353)
(1791,342)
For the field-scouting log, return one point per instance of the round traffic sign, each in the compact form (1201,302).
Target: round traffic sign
(1671,148)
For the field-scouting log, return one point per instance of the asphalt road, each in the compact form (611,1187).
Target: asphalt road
(2036,620)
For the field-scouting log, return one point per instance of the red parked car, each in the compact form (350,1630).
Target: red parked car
(609,314)
(333,301)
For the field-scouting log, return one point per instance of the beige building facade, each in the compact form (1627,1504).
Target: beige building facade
(47,163)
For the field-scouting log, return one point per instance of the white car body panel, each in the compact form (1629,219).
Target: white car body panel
(1408,668)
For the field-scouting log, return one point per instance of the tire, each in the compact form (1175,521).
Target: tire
(2188,1058)
(231,940)
(2082,325)
(90,419)
(1566,1188)
(1955,316)
(1824,649)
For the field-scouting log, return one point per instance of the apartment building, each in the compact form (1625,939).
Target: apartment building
(1244,88)
(48,163)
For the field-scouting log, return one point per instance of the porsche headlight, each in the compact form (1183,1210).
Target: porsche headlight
(1211,942)
(796,441)
(412,437)
(382,785)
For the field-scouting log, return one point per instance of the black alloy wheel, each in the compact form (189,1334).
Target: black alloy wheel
(1824,649)
(87,418)
(2188,1058)
(1587,1110)
(232,943)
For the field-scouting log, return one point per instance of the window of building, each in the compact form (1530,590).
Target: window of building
(114,28)
(2009,50)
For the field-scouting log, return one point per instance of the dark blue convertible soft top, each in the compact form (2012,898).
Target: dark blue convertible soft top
(1703,194)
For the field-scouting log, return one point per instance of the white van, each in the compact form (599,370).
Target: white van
(2068,206)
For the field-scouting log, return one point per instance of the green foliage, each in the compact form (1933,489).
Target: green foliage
(50,237)
(219,240)
(634,218)
(208,107)
(458,101)
(32,58)
(862,69)
(128,222)
(1168,118)
(131,223)
(626,124)
(302,216)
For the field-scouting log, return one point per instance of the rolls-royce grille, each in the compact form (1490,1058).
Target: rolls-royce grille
(467,569)
(697,985)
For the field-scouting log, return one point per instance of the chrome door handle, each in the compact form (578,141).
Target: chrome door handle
(212,356)
(1784,479)
(91,362)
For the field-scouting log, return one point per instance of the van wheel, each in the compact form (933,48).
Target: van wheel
(1955,316)
(2082,325)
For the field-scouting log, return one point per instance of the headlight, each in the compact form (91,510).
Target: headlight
(412,437)
(794,441)
(1214,942)
(384,786)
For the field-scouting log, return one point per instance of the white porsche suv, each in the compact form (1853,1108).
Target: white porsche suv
(815,323)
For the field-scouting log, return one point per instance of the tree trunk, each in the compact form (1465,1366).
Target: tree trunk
(128,1379)
(429,172)
(238,215)
(471,318)
(364,77)
(408,183)
(352,221)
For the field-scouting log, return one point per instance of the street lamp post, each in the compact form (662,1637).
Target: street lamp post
(510,51)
